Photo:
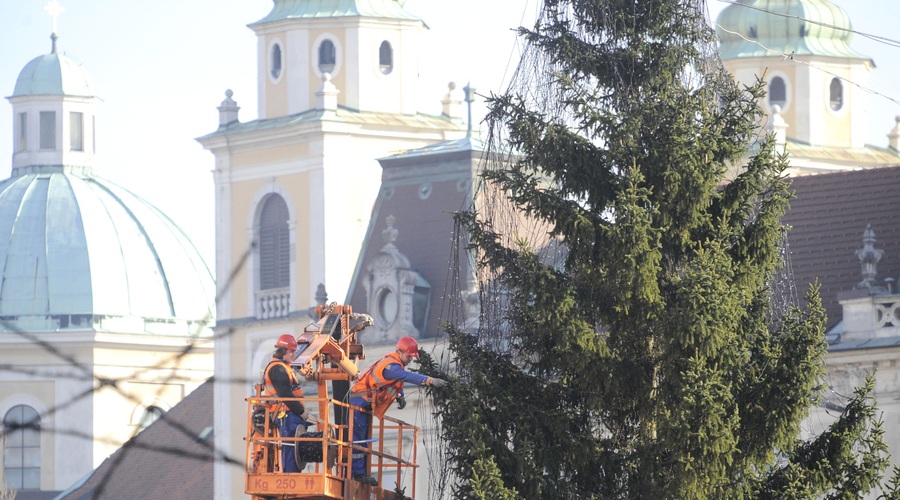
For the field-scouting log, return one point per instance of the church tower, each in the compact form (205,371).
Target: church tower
(816,99)
(54,112)
(105,304)
(295,188)
(368,48)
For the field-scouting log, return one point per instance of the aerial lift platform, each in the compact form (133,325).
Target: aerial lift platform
(328,350)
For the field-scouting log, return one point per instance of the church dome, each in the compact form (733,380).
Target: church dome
(54,74)
(81,253)
(772,28)
(299,9)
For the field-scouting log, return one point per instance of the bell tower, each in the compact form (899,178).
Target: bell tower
(803,53)
(296,186)
(368,47)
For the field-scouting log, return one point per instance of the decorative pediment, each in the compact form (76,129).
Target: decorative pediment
(397,296)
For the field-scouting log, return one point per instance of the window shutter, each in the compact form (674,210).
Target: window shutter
(274,245)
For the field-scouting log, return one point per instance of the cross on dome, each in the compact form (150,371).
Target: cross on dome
(54,9)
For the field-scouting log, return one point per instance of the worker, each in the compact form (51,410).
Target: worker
(281,381)
(375,390)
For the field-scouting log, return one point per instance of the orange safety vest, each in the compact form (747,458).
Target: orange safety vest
(376,389)
(269,389)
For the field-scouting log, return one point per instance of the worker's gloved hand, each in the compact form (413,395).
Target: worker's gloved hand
(401,403)
(438,382)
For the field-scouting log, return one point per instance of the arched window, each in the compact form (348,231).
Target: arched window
(777,92)
(274,244)
(22,457)
(327,56)
(151,414)
(837,94)
(276,61)
(386,57)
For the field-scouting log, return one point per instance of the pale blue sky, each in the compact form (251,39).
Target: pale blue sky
(162,67)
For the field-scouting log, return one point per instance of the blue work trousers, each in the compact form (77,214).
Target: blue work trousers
(287,428)
(361,422)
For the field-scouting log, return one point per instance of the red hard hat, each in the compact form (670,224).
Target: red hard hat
(409,346)
(287,341)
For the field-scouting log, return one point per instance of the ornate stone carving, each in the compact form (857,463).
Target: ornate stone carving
(868,259)
(394,292)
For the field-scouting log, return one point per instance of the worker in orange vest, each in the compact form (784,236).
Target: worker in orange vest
(376,389)
(281,381)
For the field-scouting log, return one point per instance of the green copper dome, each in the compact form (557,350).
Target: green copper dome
(78,251)
(772,28)
(54,74)
(299,9)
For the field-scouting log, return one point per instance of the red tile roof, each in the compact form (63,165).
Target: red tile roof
(828,217)
(172,458)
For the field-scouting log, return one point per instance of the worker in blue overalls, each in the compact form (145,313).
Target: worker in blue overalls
(376,389)
(281,381)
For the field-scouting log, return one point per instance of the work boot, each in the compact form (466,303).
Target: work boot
(367,480)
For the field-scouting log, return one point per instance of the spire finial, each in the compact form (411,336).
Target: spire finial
(389,233)
(894,135)
(470,98)
(868,257)
(228,110)
(53,9)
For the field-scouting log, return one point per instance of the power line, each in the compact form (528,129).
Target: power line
(794,57)
(877,38)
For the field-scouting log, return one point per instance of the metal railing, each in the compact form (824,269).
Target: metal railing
(332,474)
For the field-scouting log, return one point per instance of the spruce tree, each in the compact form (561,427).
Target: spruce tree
(634,339)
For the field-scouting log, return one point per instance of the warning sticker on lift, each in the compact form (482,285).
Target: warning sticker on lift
(284,483)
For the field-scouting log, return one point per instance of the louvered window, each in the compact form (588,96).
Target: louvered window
(22,456)
(274,245)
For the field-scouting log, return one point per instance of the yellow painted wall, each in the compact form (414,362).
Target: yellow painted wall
(45,392)
(340,79)
(147,376)
(837,129)
(291,152)
(191,368)
(276,93)
(792,113)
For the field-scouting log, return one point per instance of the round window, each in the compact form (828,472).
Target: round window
(327,56)
(387,305)
(836,92)
(275,63)
(777,92)
(386,58)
